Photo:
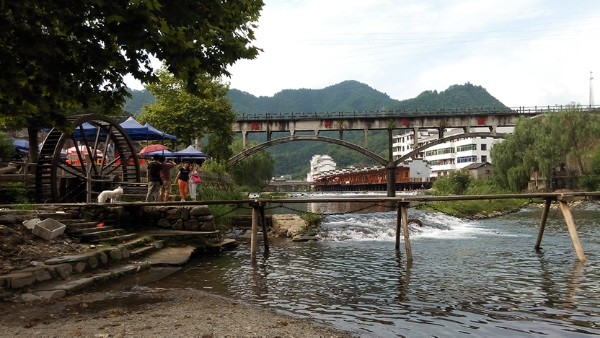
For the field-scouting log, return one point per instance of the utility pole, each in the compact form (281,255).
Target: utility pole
(591,91)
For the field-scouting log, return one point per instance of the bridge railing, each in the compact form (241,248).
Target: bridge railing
(526,111)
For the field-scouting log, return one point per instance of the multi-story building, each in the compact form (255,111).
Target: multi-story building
(318,165)
(446,157)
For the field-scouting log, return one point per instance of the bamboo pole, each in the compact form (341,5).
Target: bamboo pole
(538,242)
(564,207)
(254,236)
(405,232)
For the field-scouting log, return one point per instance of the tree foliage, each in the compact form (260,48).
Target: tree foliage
(253,172)
(191,116)
(543,143)
(7,149)
(455,183)
(59,57)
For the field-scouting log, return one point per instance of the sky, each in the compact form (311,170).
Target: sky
(523,52)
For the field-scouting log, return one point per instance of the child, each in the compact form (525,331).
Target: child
(194,181)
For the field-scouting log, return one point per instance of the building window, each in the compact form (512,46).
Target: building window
(483,158)
(466,147)
(466,159)
(483,146)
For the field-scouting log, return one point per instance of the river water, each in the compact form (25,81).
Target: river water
(476,278)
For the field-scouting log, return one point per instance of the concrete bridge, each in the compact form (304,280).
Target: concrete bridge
(440,119)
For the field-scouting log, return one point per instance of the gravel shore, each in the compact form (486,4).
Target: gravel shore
(149,312)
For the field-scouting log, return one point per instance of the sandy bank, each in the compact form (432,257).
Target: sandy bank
(151,312)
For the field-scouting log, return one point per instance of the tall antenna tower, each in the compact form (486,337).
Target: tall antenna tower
(591,91)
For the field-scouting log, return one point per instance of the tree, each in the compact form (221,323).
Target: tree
(455,183)
(254,172)
(543,143)
(191,116)
(59,57)
(7,149)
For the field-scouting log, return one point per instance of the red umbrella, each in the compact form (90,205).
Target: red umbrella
(153,147)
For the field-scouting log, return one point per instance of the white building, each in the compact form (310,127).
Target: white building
(318,165)
(449,156)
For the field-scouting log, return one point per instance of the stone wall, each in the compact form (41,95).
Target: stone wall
(138,217)
(193,218)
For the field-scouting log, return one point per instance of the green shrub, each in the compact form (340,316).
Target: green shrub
(313,222)
(221,212)
(14,192)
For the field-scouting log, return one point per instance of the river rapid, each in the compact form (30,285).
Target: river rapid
(468,278)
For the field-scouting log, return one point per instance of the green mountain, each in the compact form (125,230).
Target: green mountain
(345,96)
(138,99)
(355,96)
(293,158)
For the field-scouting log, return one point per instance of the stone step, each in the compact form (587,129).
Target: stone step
(81,231)
(100,235)
(64,269)
(171,256)
(114,239)
(80,224)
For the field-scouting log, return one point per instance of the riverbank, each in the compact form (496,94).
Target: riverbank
(153,312)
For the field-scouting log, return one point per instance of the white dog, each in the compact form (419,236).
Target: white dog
(114,195)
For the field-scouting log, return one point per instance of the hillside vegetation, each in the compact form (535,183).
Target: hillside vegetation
(293,158)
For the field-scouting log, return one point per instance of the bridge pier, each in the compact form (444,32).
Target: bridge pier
(402,225)
(258,215)
(564,208)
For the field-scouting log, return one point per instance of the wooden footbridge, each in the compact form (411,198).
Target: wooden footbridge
(403,202)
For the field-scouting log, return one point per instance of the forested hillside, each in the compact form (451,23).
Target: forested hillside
(293,158)
(139,98)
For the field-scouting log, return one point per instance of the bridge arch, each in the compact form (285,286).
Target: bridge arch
(448,139)
(250,151)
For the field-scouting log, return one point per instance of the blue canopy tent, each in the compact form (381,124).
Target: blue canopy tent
(190,153)
(21,146)
(161,135)
(86,129)
(135,130)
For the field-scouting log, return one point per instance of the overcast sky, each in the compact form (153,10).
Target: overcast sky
(524,52)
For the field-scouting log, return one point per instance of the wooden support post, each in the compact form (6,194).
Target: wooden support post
(564,208)
(254,236)
(405,232)
(538,242)
(263,219)
(398,227)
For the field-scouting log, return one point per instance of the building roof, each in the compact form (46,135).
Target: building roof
(476,166)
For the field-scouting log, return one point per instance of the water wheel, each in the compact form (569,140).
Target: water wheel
(76,166)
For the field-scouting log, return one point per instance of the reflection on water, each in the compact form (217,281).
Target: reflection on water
(468,278)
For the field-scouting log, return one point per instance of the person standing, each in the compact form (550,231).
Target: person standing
(154,180)
(182,180)
(110,151)
(194,181)
(165,175)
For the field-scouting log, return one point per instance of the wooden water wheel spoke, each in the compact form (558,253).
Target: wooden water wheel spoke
(72,169)
(81,173)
